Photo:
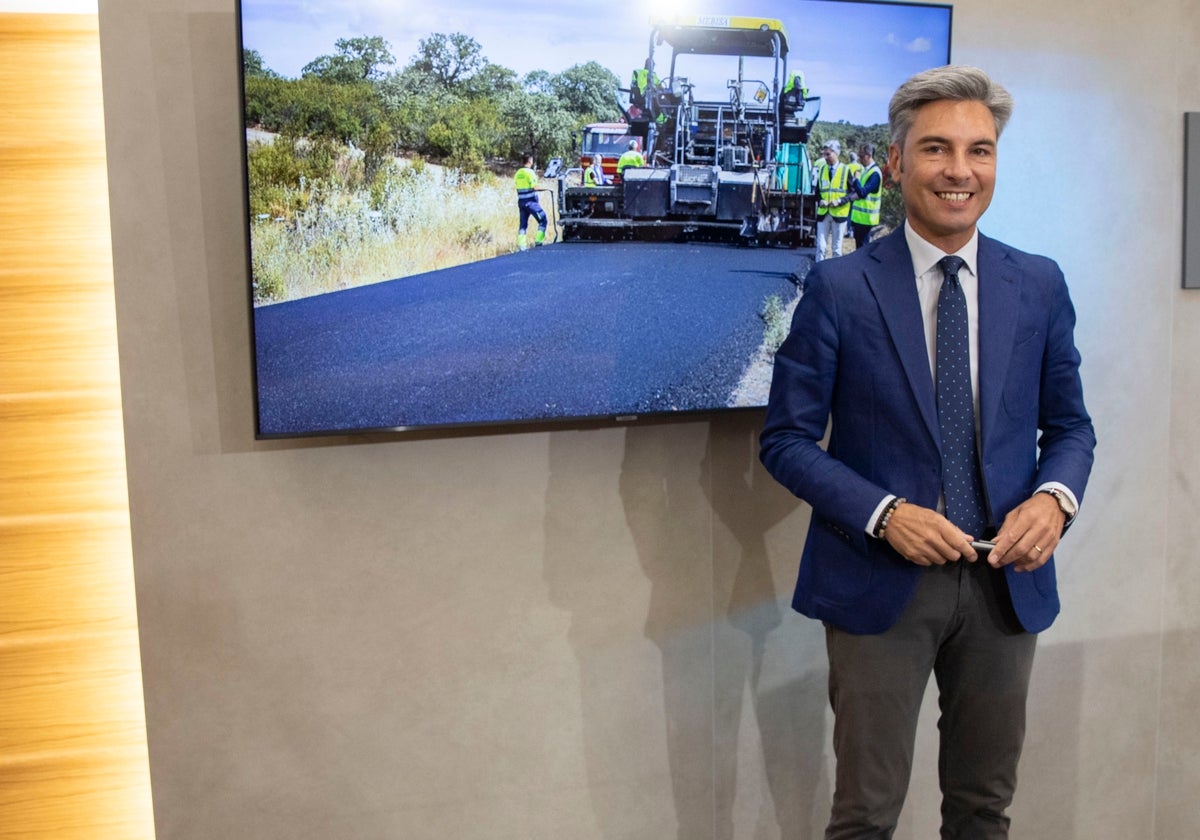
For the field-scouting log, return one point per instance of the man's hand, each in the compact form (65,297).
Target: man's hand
(1029,534)
(927,538)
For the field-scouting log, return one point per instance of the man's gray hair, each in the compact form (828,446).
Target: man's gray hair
(955,82)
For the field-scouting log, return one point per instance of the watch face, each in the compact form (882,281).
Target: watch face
(1064,502)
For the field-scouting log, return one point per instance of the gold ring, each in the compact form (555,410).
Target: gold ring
(1038,549)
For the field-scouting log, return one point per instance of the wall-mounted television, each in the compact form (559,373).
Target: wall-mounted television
(671,147)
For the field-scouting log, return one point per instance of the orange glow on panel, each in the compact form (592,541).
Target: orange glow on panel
(73,758)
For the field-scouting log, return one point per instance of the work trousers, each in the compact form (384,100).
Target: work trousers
(959,626)
(862,234)
(829,228)
(531,207)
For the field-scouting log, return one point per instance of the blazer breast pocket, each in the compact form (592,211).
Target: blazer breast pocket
(1024,378)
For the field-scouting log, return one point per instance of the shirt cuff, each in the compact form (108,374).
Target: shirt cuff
(1055,485)
(887,500)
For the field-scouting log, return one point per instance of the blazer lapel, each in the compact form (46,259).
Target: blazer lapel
(891,280)
(999,306)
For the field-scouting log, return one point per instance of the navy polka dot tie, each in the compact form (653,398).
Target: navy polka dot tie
(961,481)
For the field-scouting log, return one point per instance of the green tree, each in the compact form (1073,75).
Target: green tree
(356,60)
(311,106)
(254,66)
(378,147)
(539,81)
(537,123)
(278,170)
(466,135)
(589,91)
(891,209)
(493,81)
(414,100)
(449,59)
(446,102)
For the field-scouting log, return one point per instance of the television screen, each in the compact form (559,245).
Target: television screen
(468,213)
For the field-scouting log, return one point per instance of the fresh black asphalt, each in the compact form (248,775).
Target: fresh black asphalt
(576,329)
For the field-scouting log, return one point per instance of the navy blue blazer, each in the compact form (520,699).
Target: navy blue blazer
(857,354)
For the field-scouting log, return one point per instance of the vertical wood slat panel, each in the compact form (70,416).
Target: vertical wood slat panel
(72,727)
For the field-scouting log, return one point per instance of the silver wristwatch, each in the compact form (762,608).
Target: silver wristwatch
(1064,502)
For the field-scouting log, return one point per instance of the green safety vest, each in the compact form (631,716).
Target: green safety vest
(526,180)
(865,211)
(630,158)
(589,177)
(792,83)
(641,77)
(833,190)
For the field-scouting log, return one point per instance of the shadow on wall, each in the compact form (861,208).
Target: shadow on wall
(726,725)
(721,729)
(666,512)
(1048,780)
(770,668)
(593,574)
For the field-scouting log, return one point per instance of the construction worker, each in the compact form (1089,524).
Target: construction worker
(831,178)
(855,166)
(792,97)
(593,176)
(527,203)
(796,90)
(642,81)
(793,126)
(632,157)
(868,189)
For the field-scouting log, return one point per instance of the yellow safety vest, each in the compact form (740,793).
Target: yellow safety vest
(630,158)
(796,82)
(865,211)
(834,189)
(526,180)
(642,78)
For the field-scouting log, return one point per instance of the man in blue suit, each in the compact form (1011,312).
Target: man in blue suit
(888,564)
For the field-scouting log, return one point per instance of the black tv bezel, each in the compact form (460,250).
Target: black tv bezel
(483,427)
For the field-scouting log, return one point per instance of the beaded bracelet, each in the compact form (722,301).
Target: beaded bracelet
(886,516)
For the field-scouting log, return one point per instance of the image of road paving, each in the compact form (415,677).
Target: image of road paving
(581,329)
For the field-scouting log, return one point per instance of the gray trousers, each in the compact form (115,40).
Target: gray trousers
(960,627)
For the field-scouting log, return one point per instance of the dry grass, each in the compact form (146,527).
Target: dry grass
(416,219)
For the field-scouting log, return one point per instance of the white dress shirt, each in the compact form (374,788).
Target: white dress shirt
(929,278)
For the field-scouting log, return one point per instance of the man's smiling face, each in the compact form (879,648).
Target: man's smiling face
(947,170)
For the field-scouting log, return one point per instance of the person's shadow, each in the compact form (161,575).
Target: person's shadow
(668,519)
(729,624)
(601,582)
(716,543)
(765,653)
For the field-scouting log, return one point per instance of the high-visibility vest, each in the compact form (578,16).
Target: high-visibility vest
(641,78)
(593,176)
(631,158)
(834,189)
(865,211)
(526,180)
(796,82)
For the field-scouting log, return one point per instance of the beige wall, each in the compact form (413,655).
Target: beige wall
(586,634)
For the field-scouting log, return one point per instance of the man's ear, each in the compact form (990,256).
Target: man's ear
(895,163)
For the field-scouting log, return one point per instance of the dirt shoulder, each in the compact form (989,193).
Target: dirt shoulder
(755,385)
